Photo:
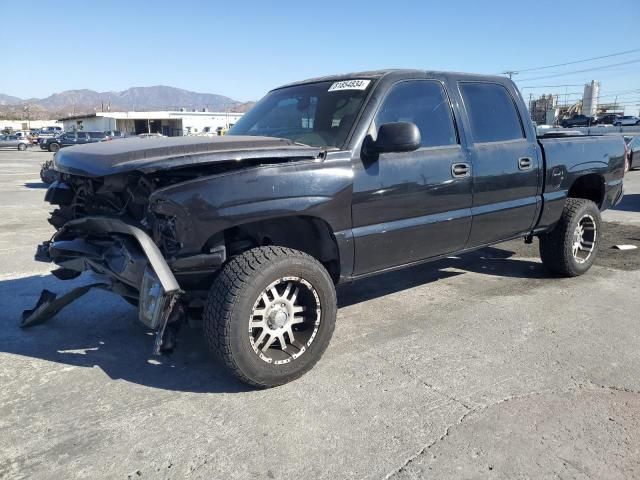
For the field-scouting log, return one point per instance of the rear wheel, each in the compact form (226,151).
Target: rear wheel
(54,147)
(571,247)
(270,314)
(22,147)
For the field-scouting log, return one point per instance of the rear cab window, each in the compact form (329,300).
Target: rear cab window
(492,112)
(423,103)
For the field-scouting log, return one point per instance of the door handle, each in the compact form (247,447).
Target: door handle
(460,170)
(524,163)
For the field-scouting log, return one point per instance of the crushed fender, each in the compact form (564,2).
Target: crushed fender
(49,305)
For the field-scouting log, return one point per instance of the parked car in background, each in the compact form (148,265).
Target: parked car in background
(627,120)
(72,138)
(53,129)
(113,134)
(577,121)
(605,119)
(634,151)
(42,136)
(150,135)
(14,141)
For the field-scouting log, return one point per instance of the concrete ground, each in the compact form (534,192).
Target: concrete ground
(473,367)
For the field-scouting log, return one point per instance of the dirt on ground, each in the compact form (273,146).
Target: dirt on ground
(612,234)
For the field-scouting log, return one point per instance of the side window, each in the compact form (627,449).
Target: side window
(492,112)
(424,103)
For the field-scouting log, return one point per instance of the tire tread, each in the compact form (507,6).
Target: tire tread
(229,284)
(554,245)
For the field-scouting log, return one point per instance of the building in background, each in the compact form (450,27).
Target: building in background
(169,123)
(544,109)
(590,98)
(16,125)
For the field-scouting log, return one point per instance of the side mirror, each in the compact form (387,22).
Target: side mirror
(395,137)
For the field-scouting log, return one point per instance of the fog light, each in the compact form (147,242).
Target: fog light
(152,299)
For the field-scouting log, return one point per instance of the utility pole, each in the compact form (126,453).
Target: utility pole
(531,109)
(510,73)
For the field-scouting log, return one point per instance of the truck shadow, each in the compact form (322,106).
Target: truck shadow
(488,261)
(41,185)
(629,203)
(101,330)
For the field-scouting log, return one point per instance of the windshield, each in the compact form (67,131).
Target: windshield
(318,114)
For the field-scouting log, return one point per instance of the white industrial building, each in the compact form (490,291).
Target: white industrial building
(28,124)
(169,123)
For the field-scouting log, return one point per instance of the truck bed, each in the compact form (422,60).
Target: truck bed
(568,157)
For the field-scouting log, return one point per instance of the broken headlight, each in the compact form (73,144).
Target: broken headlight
(152,299)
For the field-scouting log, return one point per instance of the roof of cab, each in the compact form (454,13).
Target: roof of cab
(376,74)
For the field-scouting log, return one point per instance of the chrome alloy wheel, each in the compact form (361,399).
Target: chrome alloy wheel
(584,239)
(284,320)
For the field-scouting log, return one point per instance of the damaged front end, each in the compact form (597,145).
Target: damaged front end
(113,218)
(104,227)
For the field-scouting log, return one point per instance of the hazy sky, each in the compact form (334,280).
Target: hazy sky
(242,49)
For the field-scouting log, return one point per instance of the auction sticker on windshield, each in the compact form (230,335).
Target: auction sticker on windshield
(350,85)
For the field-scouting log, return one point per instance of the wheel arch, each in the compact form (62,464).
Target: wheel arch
(309,234)
(590,187)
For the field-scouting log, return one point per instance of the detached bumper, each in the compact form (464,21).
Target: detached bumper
(119,258)
(130,266)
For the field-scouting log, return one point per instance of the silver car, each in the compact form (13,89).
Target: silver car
(626,120)
(14,141)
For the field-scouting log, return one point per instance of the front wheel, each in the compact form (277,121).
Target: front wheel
(54,147)
(571,247)
(270,314)
(22,147)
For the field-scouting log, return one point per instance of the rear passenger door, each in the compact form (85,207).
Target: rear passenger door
(413,205)
(68,139)
(506,164)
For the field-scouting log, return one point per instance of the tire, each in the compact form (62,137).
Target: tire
(238,295)
(557,246)
(54,147)
(22,147)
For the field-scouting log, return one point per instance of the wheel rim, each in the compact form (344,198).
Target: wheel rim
(284,320)
(584,239)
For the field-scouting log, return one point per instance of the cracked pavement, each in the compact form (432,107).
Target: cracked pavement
(474,367)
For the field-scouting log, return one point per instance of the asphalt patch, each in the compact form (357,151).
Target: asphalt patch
(612,234)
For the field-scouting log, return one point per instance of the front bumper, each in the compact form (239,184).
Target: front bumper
(115,255)
(105,246)
(131,268)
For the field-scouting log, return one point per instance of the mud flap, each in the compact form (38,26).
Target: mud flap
(49,305)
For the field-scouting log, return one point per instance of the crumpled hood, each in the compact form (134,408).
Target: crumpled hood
(161,153)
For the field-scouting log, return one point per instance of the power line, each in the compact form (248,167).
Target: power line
(554,86)
(582,71)
(617,54)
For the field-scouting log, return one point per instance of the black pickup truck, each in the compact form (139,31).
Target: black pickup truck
(324,181)
(69,139)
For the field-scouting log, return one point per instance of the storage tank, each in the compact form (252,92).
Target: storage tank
(590,98)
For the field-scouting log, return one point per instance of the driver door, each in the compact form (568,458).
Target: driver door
(414,205)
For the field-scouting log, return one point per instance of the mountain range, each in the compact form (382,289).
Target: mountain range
(158,97)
